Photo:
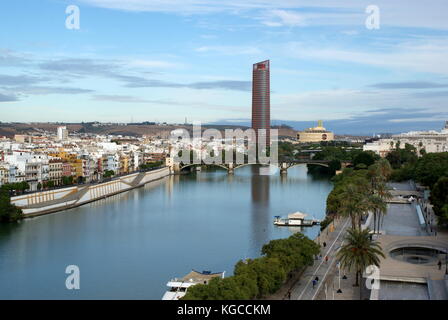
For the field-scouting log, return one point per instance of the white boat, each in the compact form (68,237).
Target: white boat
(179,287)
(295,219)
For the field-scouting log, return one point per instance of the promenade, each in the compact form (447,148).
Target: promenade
(303,289)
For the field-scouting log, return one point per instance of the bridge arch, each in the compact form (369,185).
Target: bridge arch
(250,164)
(312,163)
(203,164)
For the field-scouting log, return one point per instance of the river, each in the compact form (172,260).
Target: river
(129,245)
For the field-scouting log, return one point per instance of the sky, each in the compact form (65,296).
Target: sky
(167,60)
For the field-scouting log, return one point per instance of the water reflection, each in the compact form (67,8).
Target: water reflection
(129,245)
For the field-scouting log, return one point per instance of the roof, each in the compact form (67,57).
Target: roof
(297,215)
(201,276)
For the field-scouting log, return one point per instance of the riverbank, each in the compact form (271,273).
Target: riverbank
(45,202)
(298,283)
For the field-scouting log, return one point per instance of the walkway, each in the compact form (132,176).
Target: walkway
(304,290)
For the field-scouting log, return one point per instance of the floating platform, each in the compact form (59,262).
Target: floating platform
(297,219)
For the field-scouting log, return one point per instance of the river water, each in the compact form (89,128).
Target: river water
(129,245)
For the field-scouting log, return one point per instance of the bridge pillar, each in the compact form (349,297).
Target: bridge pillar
(175,168)
(283,168)
(230,168)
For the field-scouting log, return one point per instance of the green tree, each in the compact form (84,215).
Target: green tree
(108,173)
(8,212)
(439,198)
(431,167)
(366,158)
(359,252)
(255,278)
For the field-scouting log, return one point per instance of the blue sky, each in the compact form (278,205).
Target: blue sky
(167,60)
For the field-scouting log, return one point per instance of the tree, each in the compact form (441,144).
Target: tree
(439,199)
(354,203)
(379,174)
(366,157)
(8,212)
(359,252)
(108,173)
(431,167)
(255,278)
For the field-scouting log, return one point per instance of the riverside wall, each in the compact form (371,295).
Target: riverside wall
(45,202)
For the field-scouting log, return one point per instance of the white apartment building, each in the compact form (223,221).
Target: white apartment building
(431,141)
(62,133)
(33,168)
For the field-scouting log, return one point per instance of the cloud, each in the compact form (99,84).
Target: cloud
(401,13)
(7,98)
(129,99)
(157,64)
(42,90)
(138,82)
(113,70)
(409,85)
(7,80)
(431,94)
(224,84)
(10,58)
(230,50)
(427,55)
(79,67)
(279,18)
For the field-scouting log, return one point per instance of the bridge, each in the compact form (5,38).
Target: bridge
(283,165)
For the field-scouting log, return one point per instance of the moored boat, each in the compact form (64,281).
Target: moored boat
(295,219)
(179,287)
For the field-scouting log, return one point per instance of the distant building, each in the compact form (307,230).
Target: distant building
(316,134)
(261,105)
(22,138)
(430,141)
(62,133)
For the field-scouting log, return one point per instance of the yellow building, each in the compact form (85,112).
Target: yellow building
(316,134)
(124,164)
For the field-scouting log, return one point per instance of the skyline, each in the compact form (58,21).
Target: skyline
(164,62)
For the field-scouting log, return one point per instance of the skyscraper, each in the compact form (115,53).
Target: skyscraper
(261,101)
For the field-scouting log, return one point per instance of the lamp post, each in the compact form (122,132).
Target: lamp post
(339,269)
(446,261)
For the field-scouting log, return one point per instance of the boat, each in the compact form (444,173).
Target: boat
(179,287)
(296,219)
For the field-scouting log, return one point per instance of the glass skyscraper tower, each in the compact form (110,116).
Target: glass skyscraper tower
(261,100)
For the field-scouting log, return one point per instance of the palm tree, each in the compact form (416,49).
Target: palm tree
(353,203)
(384,168)
(378,207)
(359,252)
(379,173)
(383,192)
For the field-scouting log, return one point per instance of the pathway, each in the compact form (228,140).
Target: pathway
(304,290)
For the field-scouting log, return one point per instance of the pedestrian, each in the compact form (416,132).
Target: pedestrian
(440,265)
(326,259)
(325,244)
(289,295)
(317,279)
(314,283)
(320,257)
